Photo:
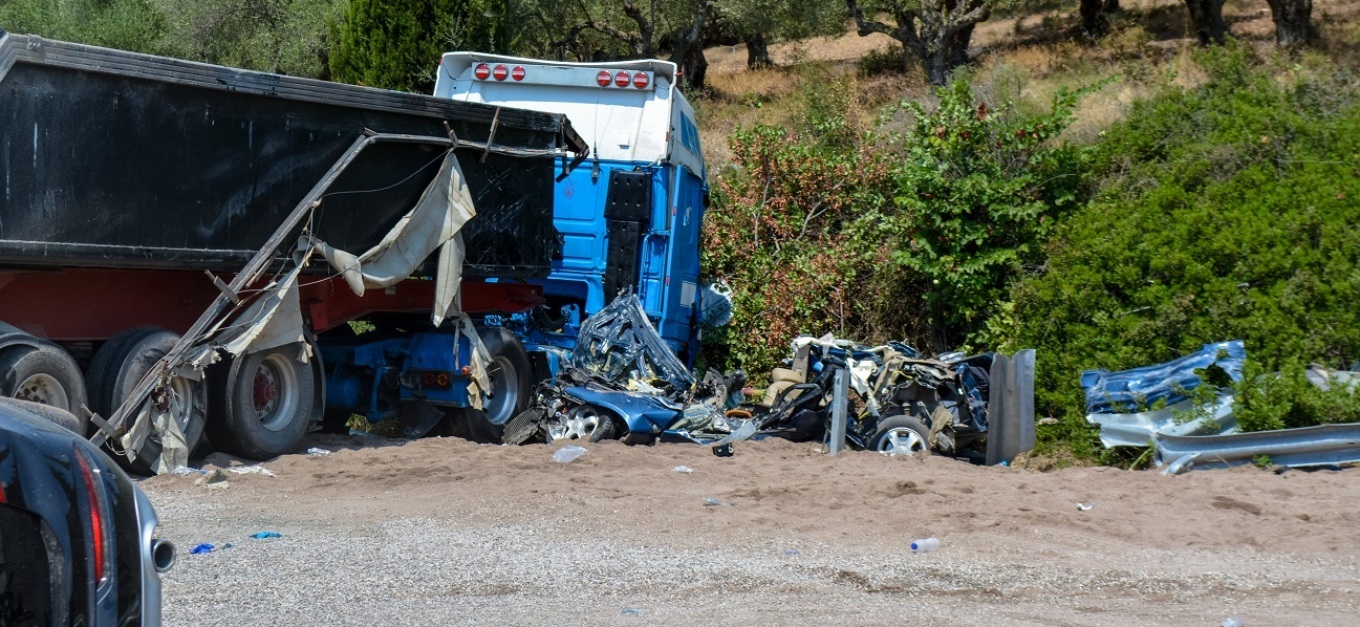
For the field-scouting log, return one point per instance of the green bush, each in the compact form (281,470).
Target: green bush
(874,234)
(1225,211)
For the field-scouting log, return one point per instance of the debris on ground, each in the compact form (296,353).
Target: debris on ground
(623,381)
(262,535)
(1159,406)
(568,454)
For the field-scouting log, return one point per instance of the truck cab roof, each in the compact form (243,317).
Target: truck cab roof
(627,111)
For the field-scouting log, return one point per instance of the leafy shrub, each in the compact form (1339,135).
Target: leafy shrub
(876,234)
(1225,211)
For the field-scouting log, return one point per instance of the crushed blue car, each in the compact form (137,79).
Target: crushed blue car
(623,382)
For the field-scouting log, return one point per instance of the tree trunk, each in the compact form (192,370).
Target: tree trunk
(950,50)
(757,51)
(1293,21)
(687,50)
(1094,22)
(1207,16)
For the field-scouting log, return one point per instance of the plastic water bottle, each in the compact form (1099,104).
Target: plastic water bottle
(925,545)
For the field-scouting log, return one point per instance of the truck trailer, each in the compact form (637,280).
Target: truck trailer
(134,186)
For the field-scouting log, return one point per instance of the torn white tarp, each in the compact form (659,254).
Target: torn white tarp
(160,417)
(434,223)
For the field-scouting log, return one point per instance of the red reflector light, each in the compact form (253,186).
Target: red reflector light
(603,78)
(500,72)
(640,80)
(622,78)
(517,73)
(97,518)
(482,71)
(465,370)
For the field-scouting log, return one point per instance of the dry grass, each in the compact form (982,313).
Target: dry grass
(1024,59)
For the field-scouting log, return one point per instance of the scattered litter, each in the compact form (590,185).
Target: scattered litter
(252,470)
(1086,507)
(716,503)
(201,549)
(790,551)
(319,452)
(185,470)
(628,611)
(228,546)
(1233,621)
(214,479)
(1049,421)
(724,450)
(568,453)
(925,545)
(683,469)
(260,535)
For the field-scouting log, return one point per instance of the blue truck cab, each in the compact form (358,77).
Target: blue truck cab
(630,216)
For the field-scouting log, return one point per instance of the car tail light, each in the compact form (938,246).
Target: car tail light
(517,72)
(482,71)
(500,72)
(640,80)
(602,79)
(97,517)
(622,79)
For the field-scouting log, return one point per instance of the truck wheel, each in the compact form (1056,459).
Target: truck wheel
(262,403)
(511,387)
(509,374)
(117,368)
(902,434)
(42,374)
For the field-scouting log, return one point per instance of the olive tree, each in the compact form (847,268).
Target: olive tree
(935,33)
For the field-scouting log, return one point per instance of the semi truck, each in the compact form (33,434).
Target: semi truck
(628,218)
(136,187)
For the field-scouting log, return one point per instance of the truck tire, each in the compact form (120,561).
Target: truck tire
(261,403)
(509,373)
(43,374)
(511,387)
(59,417)
(116,369)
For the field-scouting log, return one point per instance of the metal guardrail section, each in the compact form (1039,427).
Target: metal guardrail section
(1137,429)
(1306,446)
(1010,407)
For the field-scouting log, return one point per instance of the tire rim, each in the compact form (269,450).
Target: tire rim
(902,441)
(582,422)
(43,388)
(274,392)
(500,404)
(176,400)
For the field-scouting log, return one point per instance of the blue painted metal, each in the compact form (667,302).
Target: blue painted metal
(1138,389)
(642,413)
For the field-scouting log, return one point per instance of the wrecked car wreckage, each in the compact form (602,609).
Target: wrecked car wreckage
(1156,406)
(622,381)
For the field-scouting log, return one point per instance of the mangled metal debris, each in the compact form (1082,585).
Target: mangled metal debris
(623,381)
(1187,432)
(1131,405)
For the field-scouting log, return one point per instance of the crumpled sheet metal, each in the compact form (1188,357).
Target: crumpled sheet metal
(1137,429)
(1306,446)
(1128,390)
(618,344)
